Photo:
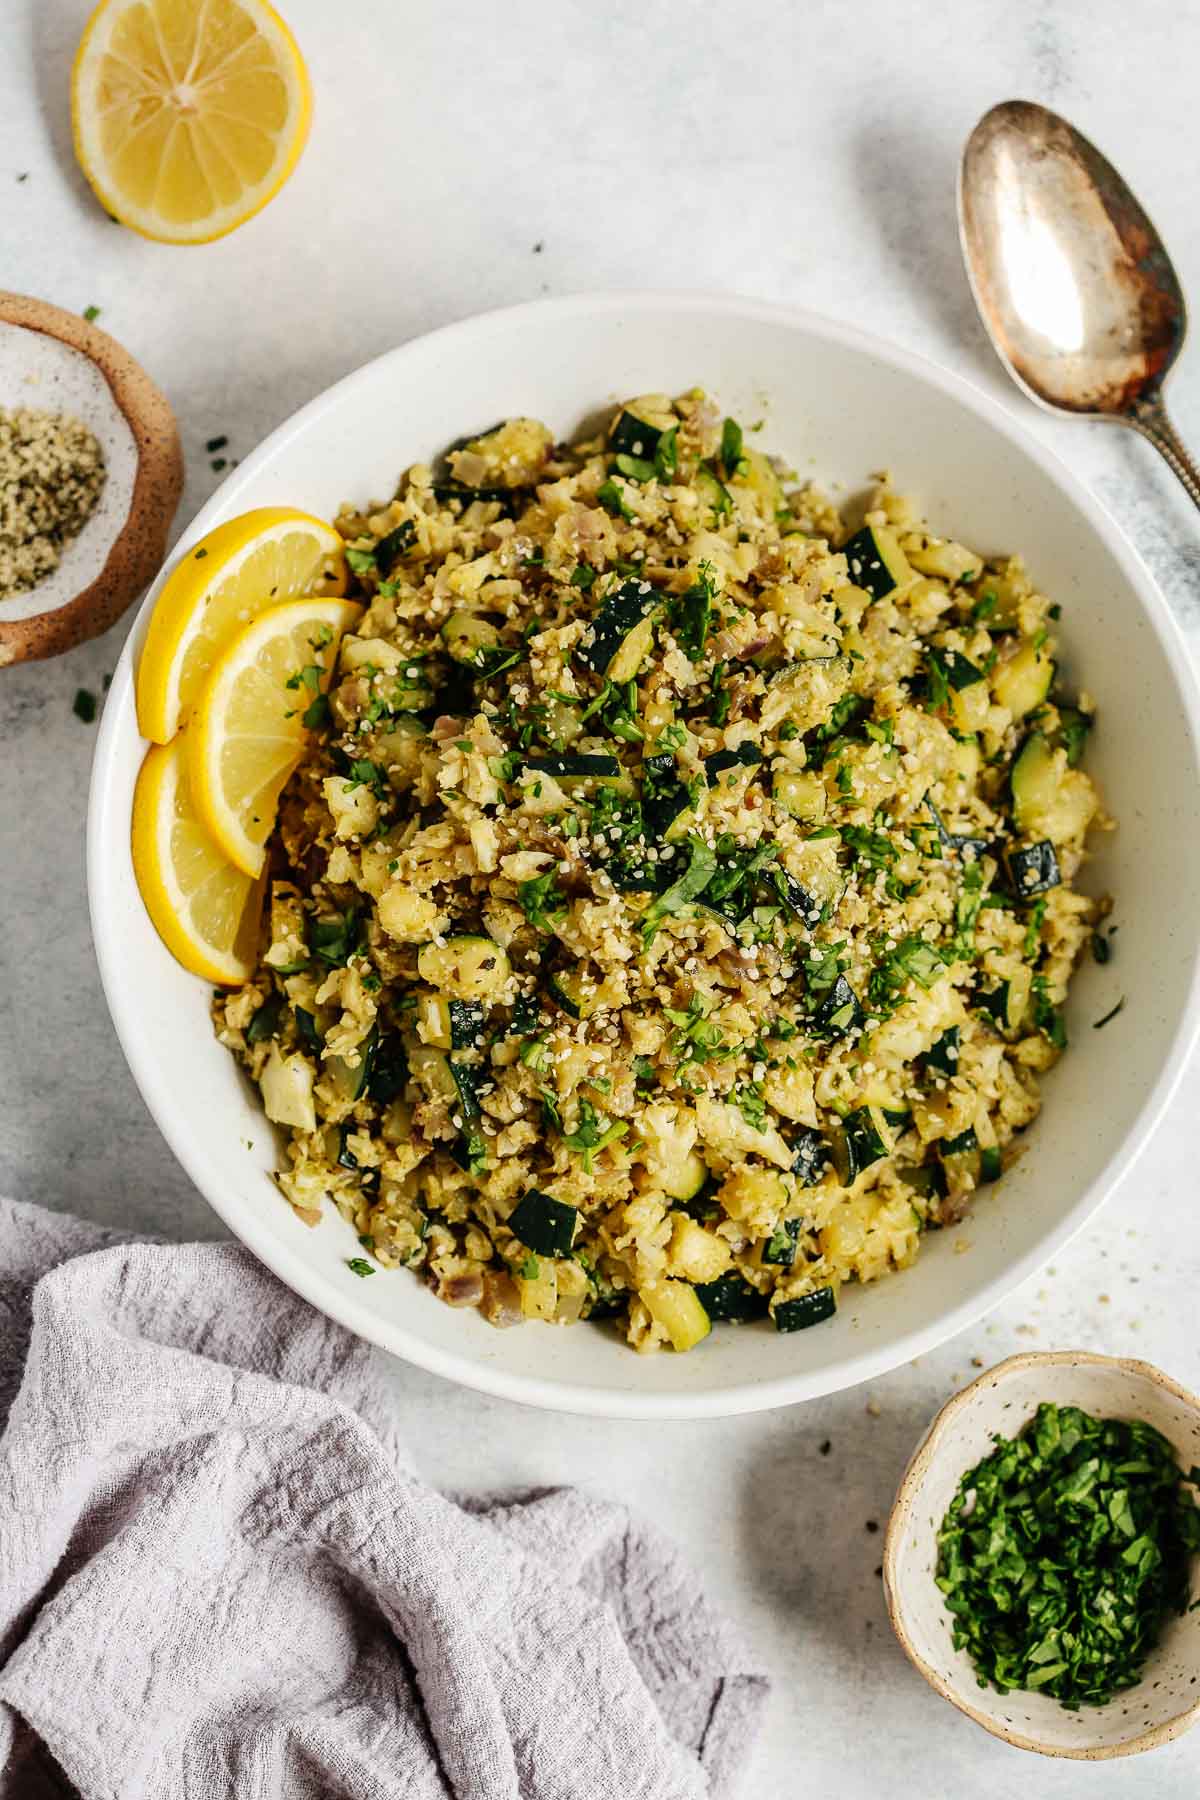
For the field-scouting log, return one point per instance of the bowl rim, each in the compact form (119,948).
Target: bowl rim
(907,1497)
(255,1230)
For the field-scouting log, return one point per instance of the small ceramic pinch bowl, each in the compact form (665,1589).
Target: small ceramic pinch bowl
(1166,1702)
(55,361)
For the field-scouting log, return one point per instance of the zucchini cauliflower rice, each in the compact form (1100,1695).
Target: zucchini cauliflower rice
(672,915)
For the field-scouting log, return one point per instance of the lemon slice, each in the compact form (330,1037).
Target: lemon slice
(248,731)
(188,117)
(205,911)
(213,592)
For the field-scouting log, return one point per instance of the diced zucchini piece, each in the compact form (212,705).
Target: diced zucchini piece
(957,671)
(781,1246)
(1006,1003)
(465,635)
(1022,681)
(961,1160)
(287,1090)
(389,1069)
(266,1021)
(574,991)
(563,722)
(1073,729)
(713,494)
(1033,869)
(676,1306)
(465,968)
(393,544)
(695,1254)
(621,634)
(430,1069)
(466,1024)
(631,435)
(731,1297)
(800,792)
(810,1156)
(876,561)
(942,558)
(796,898)
(1050,799)
(743,756)
(758,473)
(943,1056)
(1034,782)
(840,1010)
(545,1224)
(665,799)
(570,766)
(805,1310)
(683,1176)
(861,1140)
(633,652)
(991,1163)
(350,1076)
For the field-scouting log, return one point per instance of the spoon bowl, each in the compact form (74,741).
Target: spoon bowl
(1071,278)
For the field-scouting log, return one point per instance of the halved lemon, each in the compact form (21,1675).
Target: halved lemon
(205,911)
(212,593)
(249,728)
(188,115)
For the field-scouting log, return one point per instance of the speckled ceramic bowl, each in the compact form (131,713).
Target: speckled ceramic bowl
(1167,1700)
(56,361)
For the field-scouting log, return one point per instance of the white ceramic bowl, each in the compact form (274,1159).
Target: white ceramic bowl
(1166,1702)
(842,406)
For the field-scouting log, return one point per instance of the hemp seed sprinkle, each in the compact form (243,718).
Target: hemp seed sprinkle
(51,474)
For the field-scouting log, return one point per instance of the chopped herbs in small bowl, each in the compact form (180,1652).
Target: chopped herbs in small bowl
(1042,1564)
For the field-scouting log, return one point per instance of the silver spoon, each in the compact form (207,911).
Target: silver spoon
(1070,277)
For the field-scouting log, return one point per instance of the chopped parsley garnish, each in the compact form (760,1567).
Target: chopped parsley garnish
(91,313)
(966,911)
(696,1038)
(1046,1015)
(1063,1553)
(361,561)
(543,902)
(666,454)
(702,866)
(582,576)
(690,613)
(593,1133)
(612,499)
(335,940)
(874,848)
(358,1265)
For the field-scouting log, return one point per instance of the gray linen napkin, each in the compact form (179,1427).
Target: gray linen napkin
(219,1576)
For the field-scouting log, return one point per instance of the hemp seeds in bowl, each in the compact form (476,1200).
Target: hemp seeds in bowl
(672,914)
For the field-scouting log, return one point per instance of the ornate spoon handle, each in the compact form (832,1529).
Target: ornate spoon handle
(1150,418)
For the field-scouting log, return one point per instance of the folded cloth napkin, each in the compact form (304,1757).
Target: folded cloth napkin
(220,1577)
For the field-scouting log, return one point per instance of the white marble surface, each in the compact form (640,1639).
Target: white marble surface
(467,156)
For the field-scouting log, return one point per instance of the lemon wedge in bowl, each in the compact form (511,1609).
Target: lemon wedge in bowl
(254,561)
(252,719)
(205,911)
(188,118)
